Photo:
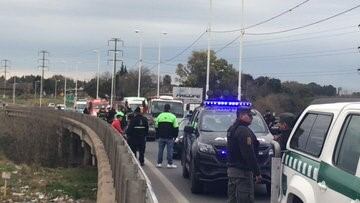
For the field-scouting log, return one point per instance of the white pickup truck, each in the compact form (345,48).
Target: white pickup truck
(321,163)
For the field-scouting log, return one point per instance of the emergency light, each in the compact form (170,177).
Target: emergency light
(222,103)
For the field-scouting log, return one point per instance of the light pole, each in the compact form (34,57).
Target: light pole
(76,79)
(140,61)
(208,52)
(98,73)
(159,62)
(14,89)
(36,89)
(55,87)
(64,62)
(241,48)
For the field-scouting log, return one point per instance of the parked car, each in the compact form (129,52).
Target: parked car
(60,107)
(205,145)
(52,105)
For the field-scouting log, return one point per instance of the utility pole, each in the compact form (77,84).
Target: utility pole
(98,73)
(140,61)
(14,88)
(6,65)
(159,62)
(116,50)
(208,52)
(55,88)
(43,61)
(241,48)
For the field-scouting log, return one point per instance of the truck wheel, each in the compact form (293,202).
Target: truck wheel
(185,172)
(196,185)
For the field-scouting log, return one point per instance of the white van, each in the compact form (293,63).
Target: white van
(135,101)
(322,163)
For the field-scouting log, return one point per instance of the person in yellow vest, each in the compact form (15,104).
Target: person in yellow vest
(167,129)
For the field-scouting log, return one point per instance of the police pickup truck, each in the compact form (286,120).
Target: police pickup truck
(321,163)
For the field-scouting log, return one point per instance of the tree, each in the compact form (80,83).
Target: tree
(222,74)
(166,84)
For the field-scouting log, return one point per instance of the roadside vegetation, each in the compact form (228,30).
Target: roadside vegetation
(40,184)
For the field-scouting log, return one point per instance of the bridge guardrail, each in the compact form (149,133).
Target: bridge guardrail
(129,180)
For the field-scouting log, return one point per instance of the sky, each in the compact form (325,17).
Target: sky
(70,30)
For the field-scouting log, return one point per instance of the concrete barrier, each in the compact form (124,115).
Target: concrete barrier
(120,176)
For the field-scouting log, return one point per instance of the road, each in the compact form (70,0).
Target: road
(170,186)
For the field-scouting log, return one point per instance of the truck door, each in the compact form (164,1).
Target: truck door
(337,181)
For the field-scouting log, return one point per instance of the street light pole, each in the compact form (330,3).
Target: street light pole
(98,73)
(241,48)
(208,52)
(14,90)
(140,61)
(65,80)
(159,62)
(76,82)
(55,88)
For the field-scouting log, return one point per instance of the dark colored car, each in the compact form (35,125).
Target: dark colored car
(205,152)
(179,141)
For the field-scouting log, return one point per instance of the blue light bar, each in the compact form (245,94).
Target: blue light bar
(213,103)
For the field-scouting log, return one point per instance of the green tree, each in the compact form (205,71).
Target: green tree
(222,74)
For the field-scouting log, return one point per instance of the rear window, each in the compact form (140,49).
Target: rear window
(309,137)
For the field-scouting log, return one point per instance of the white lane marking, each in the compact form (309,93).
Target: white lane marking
(172,189)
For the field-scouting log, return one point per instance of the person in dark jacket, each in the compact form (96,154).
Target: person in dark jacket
(136,132)
(88,109)
(242,163)
(167,129)
(286,124)
(110,115)
(269,118)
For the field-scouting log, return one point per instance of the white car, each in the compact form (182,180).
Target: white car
(321,163)
(60,107)
(52,105)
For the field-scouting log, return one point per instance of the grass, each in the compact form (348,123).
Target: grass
(77,183)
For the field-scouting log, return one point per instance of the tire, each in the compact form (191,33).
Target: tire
(185,172)
(268,189)
(196,185)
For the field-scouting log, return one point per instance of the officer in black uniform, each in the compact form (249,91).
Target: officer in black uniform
(242,165)
(136,132)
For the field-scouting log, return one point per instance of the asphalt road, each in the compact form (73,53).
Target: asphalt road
(170,186)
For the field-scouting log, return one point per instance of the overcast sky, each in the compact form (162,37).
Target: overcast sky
(326,53)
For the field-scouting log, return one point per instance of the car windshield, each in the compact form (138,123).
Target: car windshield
(134,106)
(175,107)
(81,106)
(220,121)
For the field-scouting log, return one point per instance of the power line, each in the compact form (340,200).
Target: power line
(264,21)
(187,48)
(307,25)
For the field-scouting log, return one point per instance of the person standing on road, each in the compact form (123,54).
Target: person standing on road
(117,122)
(137,132)
(167,129)
(286,124)
(242,164)
(88,109)
(111,115)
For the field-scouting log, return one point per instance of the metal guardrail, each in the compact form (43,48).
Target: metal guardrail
(130,181)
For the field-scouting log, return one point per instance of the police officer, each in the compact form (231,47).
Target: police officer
(167,129)
(242,165)
(286,124)
(136,132)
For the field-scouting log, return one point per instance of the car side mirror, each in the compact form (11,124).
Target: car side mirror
(189,129)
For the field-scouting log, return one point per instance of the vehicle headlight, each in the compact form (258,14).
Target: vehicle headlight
(206,148)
